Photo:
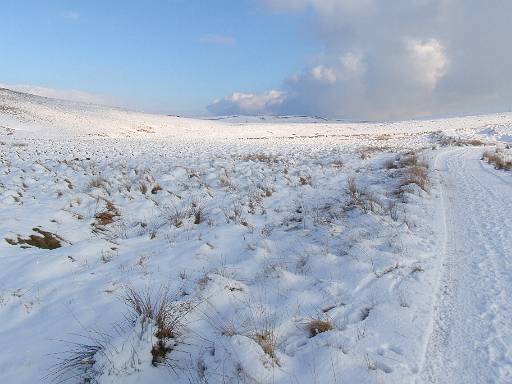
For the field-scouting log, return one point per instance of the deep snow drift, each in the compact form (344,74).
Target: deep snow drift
(277,252)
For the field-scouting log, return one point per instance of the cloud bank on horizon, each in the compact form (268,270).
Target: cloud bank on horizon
(393,59)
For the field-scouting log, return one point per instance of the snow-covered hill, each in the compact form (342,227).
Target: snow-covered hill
(148,248)
(34,116)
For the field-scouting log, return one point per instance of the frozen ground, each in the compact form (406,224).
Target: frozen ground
(289,250)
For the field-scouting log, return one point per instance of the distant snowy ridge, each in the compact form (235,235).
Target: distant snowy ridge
(35,116)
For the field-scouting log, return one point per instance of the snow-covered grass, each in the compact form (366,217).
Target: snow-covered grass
(500,158)
(253,254)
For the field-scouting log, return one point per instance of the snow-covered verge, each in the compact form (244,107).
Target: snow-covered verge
(500,158)
(270,253)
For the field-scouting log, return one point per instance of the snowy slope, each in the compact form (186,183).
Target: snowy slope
(297,252)
(35,116)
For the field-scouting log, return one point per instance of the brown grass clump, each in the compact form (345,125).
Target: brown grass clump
(364,154)
(10,110)
(475,142)
(198,212)
(11,241)
(416,175)
(409,161)
(317,326)
(267,340)
(305,180)
(166,314)
(158,312)
(108,216)
(391,164)
(362,198)
(414,172)
(497,158)
(156,189)
(143,188)
(445,141)
(176,215)
(352,186)
(337,164)
(260,157)
(45,240)
(97,182)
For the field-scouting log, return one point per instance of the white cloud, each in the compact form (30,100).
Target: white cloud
(247,103)
(324,74)
(429,60)
(387,59)
(353,63)
(218,40)
(73,95)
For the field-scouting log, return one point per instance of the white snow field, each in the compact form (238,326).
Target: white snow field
(138,248)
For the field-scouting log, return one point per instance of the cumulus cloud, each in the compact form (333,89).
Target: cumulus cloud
(353,63)
(71,94)
(248,103)
(402,58)
(324,74)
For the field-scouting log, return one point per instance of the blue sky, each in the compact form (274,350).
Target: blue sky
(174,56)
(356,59)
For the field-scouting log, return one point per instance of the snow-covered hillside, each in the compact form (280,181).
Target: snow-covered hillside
(35,116)
(144,248)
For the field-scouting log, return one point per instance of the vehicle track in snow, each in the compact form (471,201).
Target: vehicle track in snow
(471,339)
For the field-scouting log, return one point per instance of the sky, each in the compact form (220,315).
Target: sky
(353,59)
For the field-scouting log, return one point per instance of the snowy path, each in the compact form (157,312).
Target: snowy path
(471,340)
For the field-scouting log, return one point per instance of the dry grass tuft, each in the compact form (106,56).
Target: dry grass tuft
(108,216)
(410,160)
(497,158)
(317,326)
(167,315)
(85,362)
(391,164)
(197,211)
(156,189)
(176,215)
(414,172)
(416,175)
(267,340)
(475,142)
(337,164)
(258,325)
(305,180)
(445,141)
(363,199)
(80,361)
(260,157)
(45,240)
(97,182)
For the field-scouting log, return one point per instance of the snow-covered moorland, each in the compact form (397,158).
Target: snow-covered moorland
(142,248)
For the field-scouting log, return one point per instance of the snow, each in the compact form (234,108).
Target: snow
(471,338)
(253,225)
